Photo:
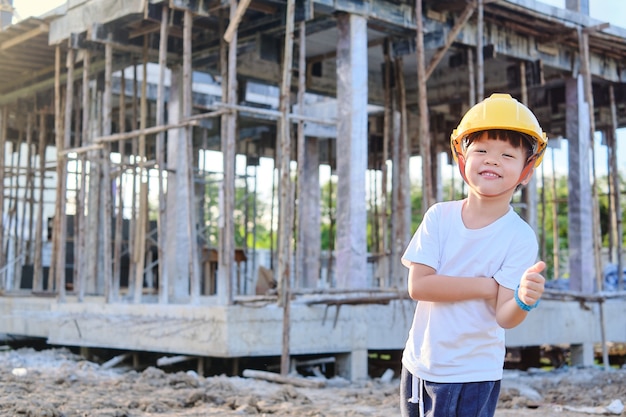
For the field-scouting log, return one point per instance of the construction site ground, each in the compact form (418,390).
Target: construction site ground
(55,382)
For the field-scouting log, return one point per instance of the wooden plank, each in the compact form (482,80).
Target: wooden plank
(236,19)
(41,29)
(281,379)
(171,360)
(460,22)
(113,362)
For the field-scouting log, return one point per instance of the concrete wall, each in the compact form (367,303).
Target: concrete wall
(256,330)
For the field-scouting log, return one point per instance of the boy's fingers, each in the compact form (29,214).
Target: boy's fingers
(538,267)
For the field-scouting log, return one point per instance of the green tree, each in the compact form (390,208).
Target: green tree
(328,213)
(251,215)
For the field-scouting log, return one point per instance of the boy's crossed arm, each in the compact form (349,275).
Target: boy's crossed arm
(424,284)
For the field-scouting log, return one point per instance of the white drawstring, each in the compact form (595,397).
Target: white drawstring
(417,389)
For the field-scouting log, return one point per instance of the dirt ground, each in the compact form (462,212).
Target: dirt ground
(57,382)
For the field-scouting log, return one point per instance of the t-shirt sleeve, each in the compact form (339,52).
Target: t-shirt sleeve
(521,256)
(424,245)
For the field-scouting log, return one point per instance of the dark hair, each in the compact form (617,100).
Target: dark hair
(513,137)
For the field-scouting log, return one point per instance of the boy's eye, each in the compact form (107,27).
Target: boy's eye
(506,155)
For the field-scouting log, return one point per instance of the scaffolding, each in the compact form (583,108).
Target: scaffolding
(112,136)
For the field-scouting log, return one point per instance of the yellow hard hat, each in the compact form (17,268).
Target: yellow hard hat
(500,111)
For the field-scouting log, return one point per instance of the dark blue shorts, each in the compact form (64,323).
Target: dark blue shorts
(470,399)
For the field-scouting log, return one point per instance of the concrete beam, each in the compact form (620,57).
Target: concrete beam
(83,16)
(244,331)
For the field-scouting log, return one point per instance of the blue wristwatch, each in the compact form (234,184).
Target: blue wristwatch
(522,304)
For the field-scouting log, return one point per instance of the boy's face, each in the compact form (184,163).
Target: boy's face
(493,167)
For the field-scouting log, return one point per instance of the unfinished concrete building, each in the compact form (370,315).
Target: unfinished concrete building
(131,128)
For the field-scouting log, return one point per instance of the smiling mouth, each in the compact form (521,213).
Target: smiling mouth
(489,174)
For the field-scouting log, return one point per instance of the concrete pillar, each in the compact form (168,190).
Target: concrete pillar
(93,261)
(353,365)
(177,240)
(582,355)
(580,213)
(309,239)
(351,244)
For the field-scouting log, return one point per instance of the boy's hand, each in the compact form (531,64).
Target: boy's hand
(532,284)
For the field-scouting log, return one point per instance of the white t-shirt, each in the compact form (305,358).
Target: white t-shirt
(454,342)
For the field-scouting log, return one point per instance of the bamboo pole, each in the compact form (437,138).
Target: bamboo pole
(301,151)
(286,198)
(616,190)
(37,263)
(119,217)
(543,252)
(402,229)
(15,187)
(105,160)
(132,239)
(529,192)
(555,223)
(229,127)
(3,140)
(81,219)
(194,275)
(224,108)
(29,191)
(612,226)
(235,19)
(387,137)
(460,22)
(160,156)
(424,123)
(60,229)
(142,218)
(480,57)
(471,78)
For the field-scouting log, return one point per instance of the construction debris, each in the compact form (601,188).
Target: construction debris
(615,407)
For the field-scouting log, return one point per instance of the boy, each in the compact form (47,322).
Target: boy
(472,268)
